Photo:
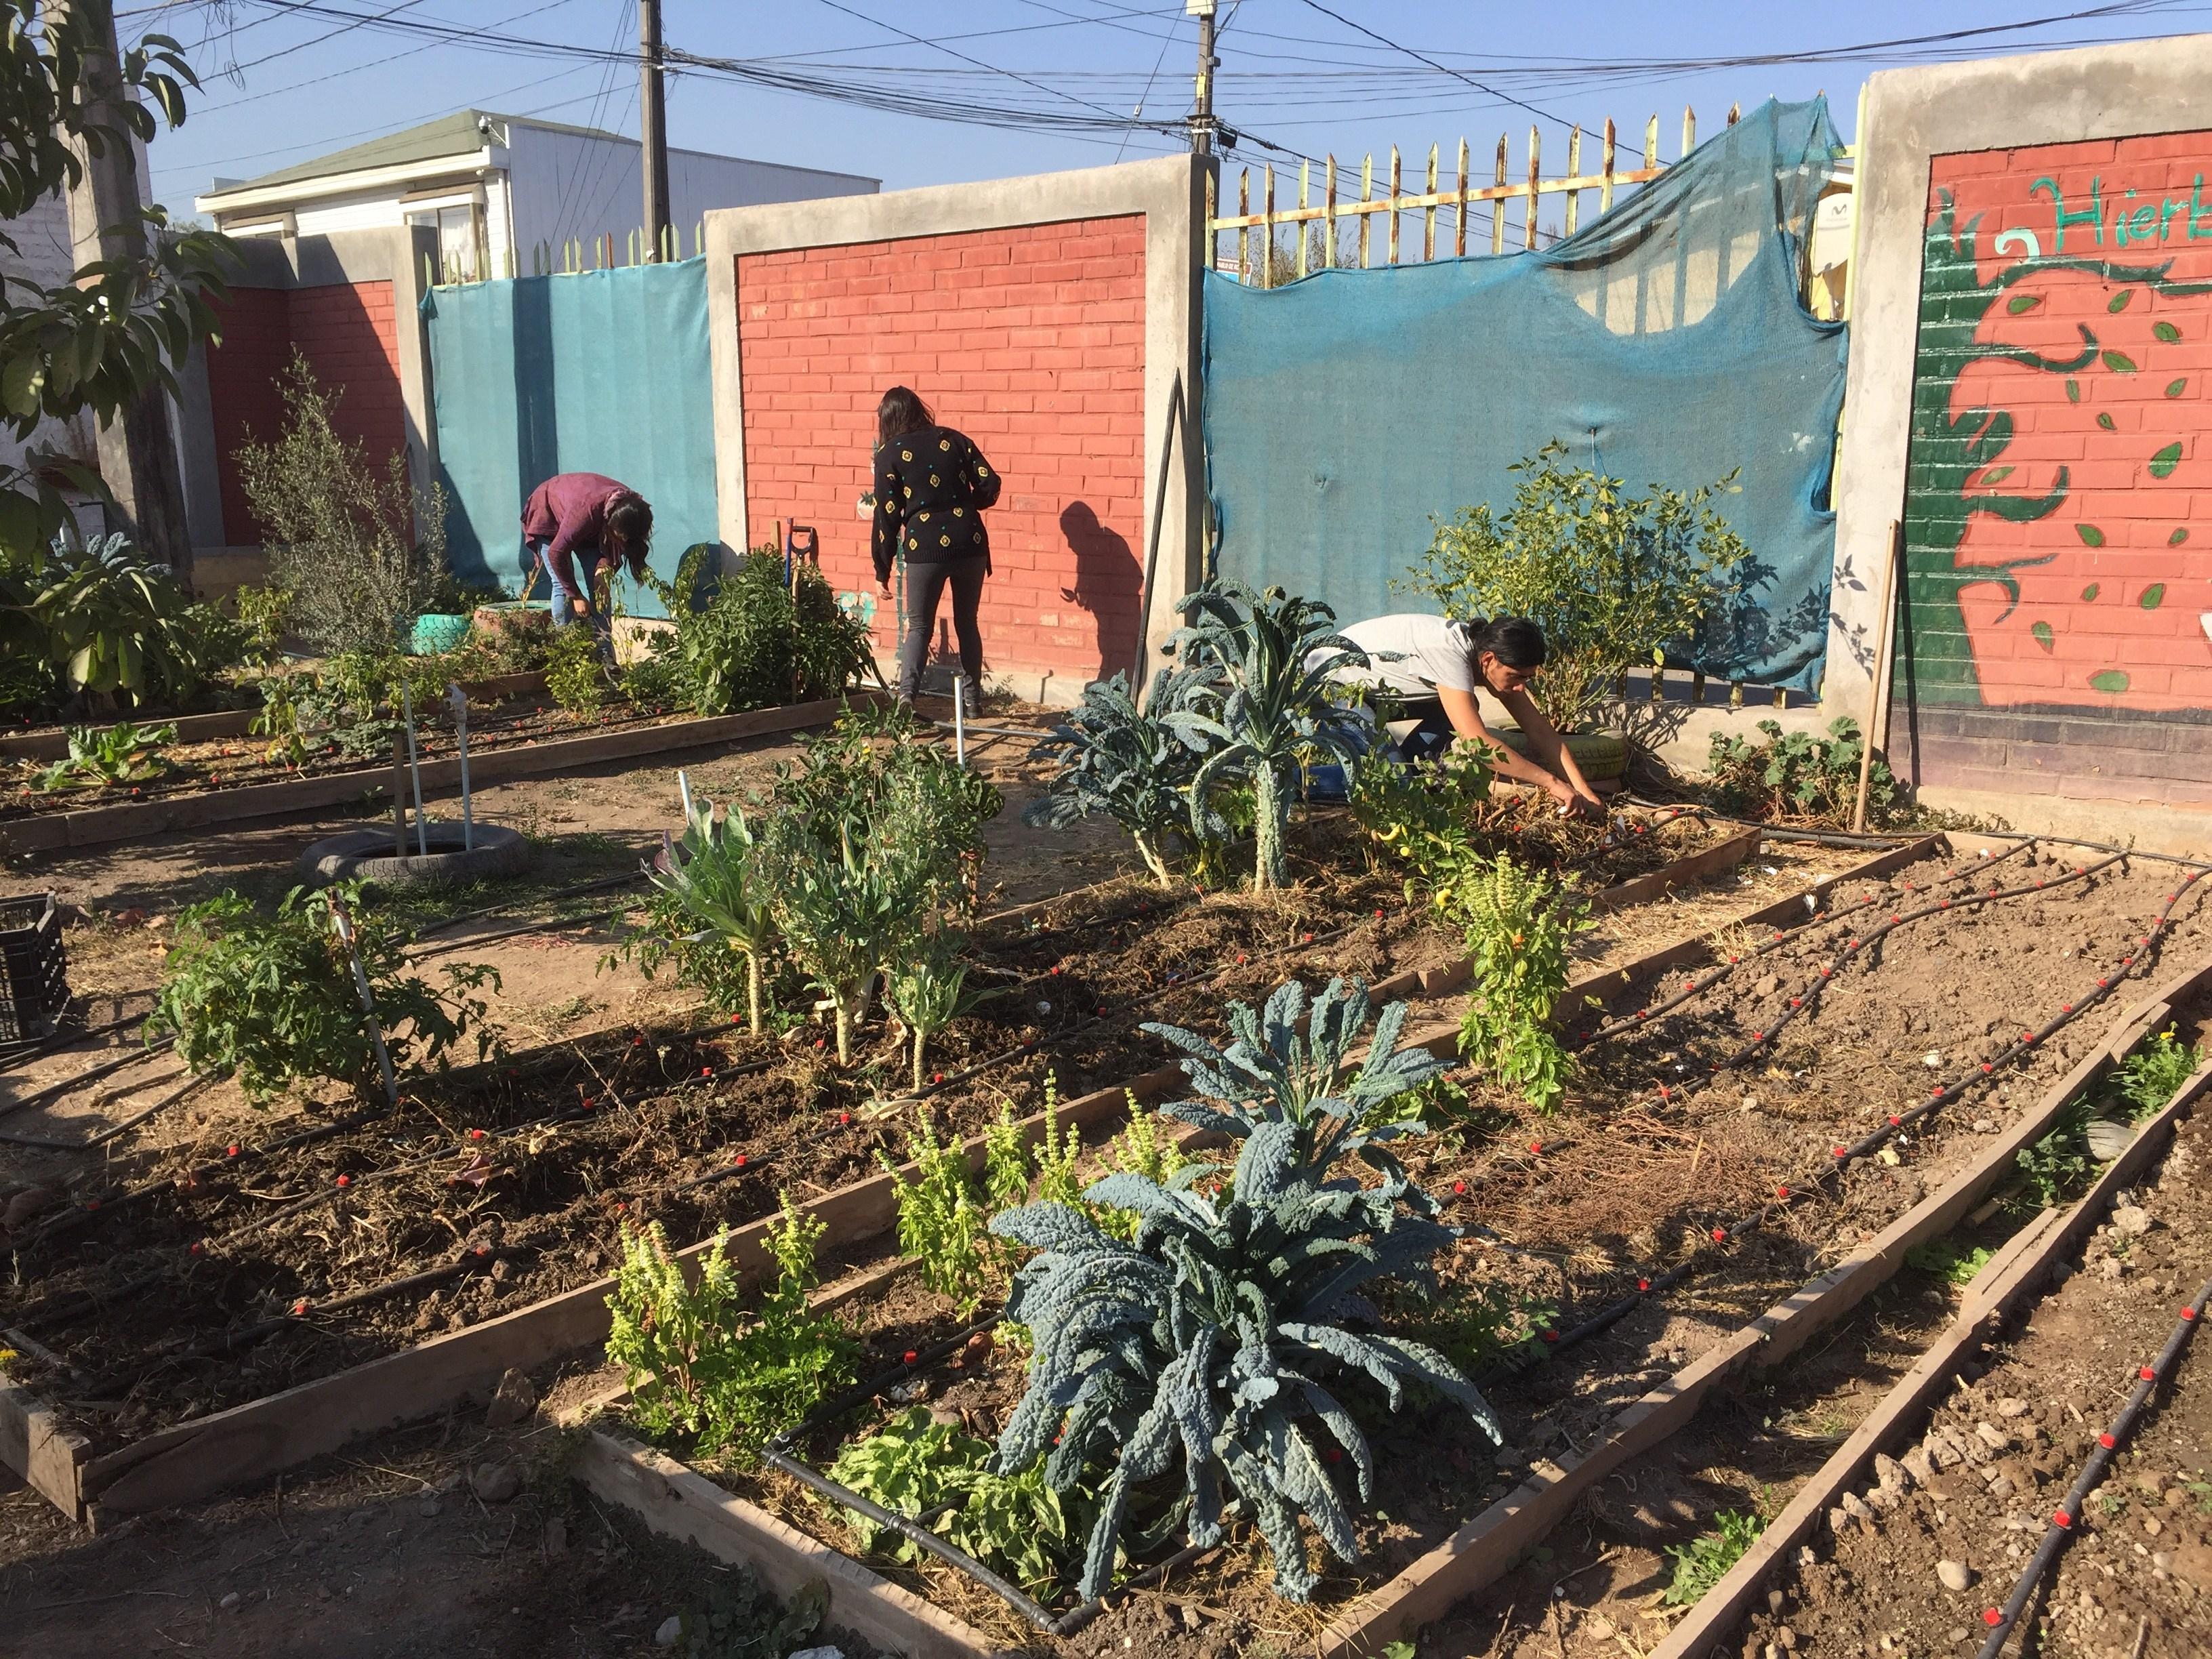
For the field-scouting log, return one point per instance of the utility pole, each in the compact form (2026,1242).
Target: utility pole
(137,447)
(652,126)
(1201,119)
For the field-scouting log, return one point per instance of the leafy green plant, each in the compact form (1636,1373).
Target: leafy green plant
(842,911)
(1058,1153)
(710,875)
(1615,580)
(1423,816)
(656,680)
(1017,1525)
(1135,768)
(272,998)
(2059,1165)
(265,614)
(279,720)
(2150,1076)
(697,1360)
(929,990)
(1274,1077)
(1521,925)
(124,753)
(1948,1257)
(940,1222)
(1217,1339)
(1705,1560)
(1797,776)
(575,678)
(358,548)
(1264,708)
(1005,1161)
(757,642)
(97,622)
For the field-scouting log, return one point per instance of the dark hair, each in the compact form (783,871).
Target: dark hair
(901,411)
(631,519)
(1514,640)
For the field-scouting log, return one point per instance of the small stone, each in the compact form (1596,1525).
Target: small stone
(1959,1633)
(2113,1268)
(2009,1406)
(428,1507)
(1768,985)
(1955,1575)
(2001,1487)
(1940,1452)
(2153,1525)
(1774,1599)
(230,1603)
(2131,1221)
(1788,1639)
(1985,1126)
(2162,1559)
(1992,1437)
(1770,1652)
(1894,1475)
(671,1631)
(1749,1103)
(1838,1520)
(1917,1464)
(1855,1506)
(513,1399)
(496,1483)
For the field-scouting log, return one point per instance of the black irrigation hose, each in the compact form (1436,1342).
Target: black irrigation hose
(61,1040)
(190,1085)
(2002,1620)
(90,1074)
(1694,986)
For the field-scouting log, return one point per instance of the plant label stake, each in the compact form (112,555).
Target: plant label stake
(959,720)
(461,730)
(414,766)
(343,924)
(398,801)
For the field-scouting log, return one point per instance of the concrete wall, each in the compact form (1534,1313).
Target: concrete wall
(2036,417)
(1056,318)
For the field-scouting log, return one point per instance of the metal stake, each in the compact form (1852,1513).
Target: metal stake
(959,720)
(343,923)
(461,729)
(414,766)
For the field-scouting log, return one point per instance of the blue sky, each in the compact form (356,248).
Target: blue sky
(285,82)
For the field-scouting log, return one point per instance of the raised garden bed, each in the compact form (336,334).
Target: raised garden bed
(192,1343)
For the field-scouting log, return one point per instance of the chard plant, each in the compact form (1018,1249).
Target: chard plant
(1133,766)
(1267,708)
(123,753)
(697,1359)
(1214,1348)
(1521,926)
(710,873)
(1274,1076)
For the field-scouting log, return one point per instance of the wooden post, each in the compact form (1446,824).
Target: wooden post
(1605,190)
(1689,130)
(1366,194)
(1651,144)
(1735,113)
(1574,171)
(1305,169)
(1697,688)
(1497,203)
(1393,204)
(1267,228)
(1429,213)
(1244,231)
(1459,229)
(1878,693)
(1535,139)
(1328,223)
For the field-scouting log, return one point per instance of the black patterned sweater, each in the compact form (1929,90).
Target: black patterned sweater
(932,487)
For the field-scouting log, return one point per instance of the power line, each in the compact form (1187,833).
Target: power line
(1455,74)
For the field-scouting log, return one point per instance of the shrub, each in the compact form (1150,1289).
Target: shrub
(1265,708)
(1135,768)
(2151,1076)
(1422,816)
(1218,1340)
(342,540)
(696,1361)
(1613,579)
(272,1000)
(96,623)
(1520,927)
(755,642)
(1797,776)
(1705,1560)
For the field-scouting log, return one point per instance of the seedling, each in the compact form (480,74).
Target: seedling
(1705,1560)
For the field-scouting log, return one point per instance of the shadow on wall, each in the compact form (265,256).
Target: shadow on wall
(1106,580)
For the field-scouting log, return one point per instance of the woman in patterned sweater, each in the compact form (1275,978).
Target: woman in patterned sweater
(932,487)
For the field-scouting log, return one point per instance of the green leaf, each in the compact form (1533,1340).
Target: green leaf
(2090,592)
(2175,388)
(2073,391)
(2163,463)
(2152,597)
(2179,537)
(2020,302)
(1997,475)
(2090,535)
(2119,302)
(2119,362)
(2042,634)
(2112,680)
(2166,331)
(2105,419)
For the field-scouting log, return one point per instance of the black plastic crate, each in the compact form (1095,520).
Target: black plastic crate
(34,971)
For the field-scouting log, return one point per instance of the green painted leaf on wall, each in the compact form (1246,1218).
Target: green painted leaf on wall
(1997,475)
(2178,537)
(2042,632)
(2152,597)
(2119,302)
(2113,680)
(2163,463)
(2073,391)
(2089,593)
(2020,302)
(2119,362)
(2105,419)
(2090,535)
(2175,388)
(2166,331)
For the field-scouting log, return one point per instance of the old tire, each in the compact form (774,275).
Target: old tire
(1602,755)
(366,855)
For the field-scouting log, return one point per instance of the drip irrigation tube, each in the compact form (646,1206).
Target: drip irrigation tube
(90,1074)
(190,1085)
(61,1040)
(2002,1620)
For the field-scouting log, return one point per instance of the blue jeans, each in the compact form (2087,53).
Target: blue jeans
(562,601)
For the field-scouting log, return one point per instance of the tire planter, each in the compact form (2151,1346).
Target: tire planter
(1600,755)
(366,855)
(435,631)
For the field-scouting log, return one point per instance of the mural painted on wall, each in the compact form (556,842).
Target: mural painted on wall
(2058,533)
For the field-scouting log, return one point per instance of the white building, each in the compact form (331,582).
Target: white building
(499,186)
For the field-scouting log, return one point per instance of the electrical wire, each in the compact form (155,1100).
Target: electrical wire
(1457,75)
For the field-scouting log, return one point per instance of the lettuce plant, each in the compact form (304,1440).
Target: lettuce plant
(1219,1341)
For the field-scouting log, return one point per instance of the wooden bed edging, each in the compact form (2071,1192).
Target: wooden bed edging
(2018,1267)
(136,820)
(677,1504)
(1493,1542)
(189,1461)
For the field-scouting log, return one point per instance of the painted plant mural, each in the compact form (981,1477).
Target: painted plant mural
(2059,536)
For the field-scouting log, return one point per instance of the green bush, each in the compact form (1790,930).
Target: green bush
(756,643)
(1521,926)
(1705,1560)
(1797,776)
(575,677)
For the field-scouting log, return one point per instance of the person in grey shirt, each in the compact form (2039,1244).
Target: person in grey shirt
(1434,667)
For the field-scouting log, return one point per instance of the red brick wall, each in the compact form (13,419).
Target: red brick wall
(1029,340)
(2064,446)
(347,333)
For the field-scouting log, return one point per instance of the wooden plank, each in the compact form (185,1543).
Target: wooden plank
(2022,1263)
(1536,178)
(1496,196)
(1721,855)
(35,1447)
(1574,166)
(1395,203)
(1428,212)
(1459,215)
(132,821)
(1364,205)
(1487,1547)
(189,1461)
(677,1504)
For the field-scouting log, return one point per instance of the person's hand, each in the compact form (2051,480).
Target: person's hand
(580,607)
(886,587)
(1562,792)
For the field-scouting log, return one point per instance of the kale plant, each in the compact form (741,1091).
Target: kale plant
(1266,709)
(1219,1339)
(1274,1074)
(1134,767)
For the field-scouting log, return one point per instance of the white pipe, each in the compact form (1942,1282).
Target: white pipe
(343,923)
(959,720)
(461,728)
(415,766)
